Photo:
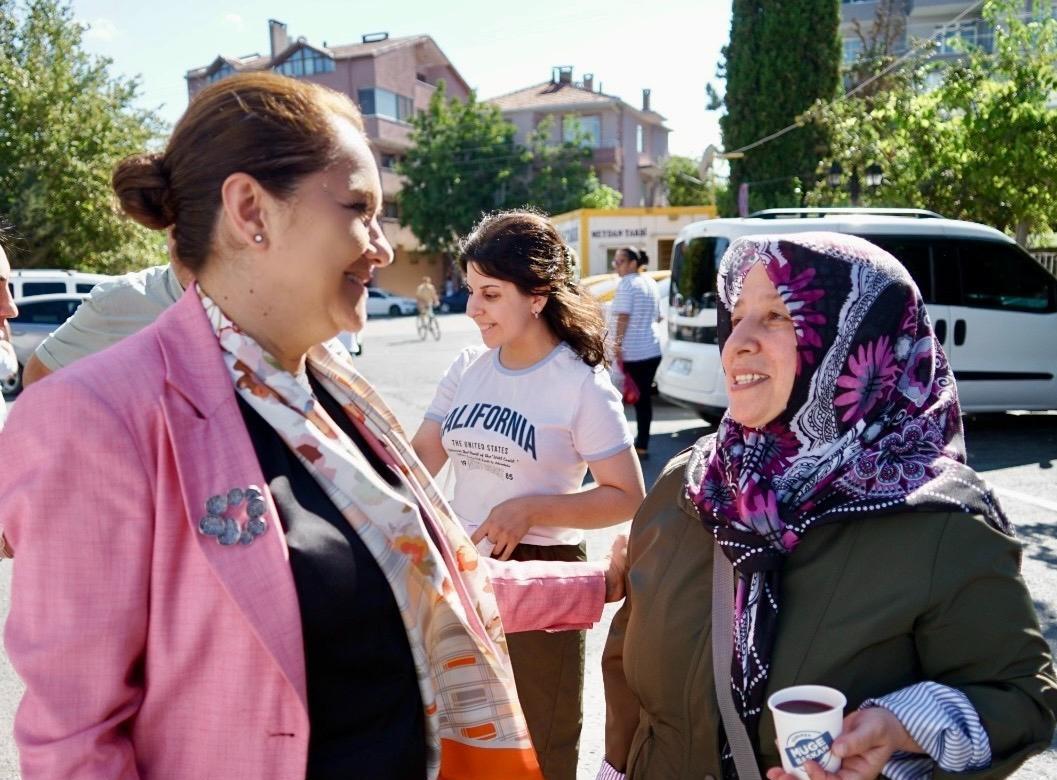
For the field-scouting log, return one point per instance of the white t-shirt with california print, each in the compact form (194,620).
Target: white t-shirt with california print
(527,432)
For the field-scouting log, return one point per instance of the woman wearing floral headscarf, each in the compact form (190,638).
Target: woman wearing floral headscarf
(867,555)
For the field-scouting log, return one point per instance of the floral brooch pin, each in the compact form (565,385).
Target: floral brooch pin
(224,516)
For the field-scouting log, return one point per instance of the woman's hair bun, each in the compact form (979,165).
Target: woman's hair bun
(142,186)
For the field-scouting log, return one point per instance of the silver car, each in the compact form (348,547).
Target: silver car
(38,316)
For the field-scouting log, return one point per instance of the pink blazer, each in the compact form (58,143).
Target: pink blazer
(147,649)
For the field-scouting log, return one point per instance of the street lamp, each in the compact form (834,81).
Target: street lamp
(834,175)
(874,177)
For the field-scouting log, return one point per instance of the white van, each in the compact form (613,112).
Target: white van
(40,281)
(993,306)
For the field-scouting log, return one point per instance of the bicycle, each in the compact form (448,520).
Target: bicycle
(427,323)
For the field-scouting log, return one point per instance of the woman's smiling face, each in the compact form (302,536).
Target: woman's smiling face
(333,242)
(759,356)
(499,308)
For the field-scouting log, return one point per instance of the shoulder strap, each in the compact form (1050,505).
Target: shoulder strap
(722,652)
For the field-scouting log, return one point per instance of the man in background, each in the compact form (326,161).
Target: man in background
(426,295)
(116,308)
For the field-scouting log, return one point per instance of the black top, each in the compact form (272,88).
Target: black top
(364,705)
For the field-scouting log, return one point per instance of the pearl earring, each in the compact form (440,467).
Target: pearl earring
(536,314)
(258,238)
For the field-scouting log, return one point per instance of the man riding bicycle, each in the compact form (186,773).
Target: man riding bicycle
(426,295)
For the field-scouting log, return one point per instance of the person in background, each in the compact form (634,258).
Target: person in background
(115,309)
(8,310)
(426,295)
(856,549)
(228,561)
(636,308)
(522,418)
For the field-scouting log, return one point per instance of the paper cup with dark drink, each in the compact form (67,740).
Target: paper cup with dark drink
(807,719)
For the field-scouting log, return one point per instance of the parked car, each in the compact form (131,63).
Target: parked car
(992,305)
(28,282)
(604,286)
(38,316)
(381,302)
(456,302)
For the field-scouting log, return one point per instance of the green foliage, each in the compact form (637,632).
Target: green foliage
(782,56)
(463,163)
(66,122)
(683,185)
(558,174)
(599,195)
(982,145)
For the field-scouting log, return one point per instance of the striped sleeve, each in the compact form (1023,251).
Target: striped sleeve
(607,772)
(946,725)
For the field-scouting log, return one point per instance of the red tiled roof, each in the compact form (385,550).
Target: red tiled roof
(550,93)
(344,52)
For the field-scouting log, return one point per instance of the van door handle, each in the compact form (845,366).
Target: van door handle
(959,332)
(941,331)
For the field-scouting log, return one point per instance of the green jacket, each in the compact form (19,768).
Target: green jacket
(868,607)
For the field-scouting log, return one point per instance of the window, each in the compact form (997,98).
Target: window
(223,71)
(46,312)
(997,275)
(390,210)
(591,126)
(640,139)
(382,102)
(85,288)
(953,38)
(390,161)
(42,288)
(305,62)
(693,286)
(852,50)
(915,254)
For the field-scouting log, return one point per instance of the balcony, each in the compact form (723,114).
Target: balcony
(606,155)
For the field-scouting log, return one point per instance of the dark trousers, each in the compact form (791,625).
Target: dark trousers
(549,673)
(642,373)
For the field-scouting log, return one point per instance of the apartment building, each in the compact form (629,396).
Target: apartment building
(916,20)
(629,144)
(390,79)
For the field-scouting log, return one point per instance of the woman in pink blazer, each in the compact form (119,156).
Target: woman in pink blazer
(228,562)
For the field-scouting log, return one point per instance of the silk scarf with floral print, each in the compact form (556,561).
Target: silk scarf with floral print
(474,722)
(872,427)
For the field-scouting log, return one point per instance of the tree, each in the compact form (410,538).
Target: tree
(982,145)
(683,185)
(599,195)
(782,56)
(66,122)
(463,162)
(558,175)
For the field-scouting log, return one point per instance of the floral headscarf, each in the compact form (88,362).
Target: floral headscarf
(872,427)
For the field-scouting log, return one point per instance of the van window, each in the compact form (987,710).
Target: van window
(82,287)
(694,267)
(914,254)
(46,312)
(42,288)
(996,275)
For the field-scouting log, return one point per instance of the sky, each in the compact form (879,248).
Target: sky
(669,46)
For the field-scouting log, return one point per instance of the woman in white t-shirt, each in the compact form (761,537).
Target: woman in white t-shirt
(522,418)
